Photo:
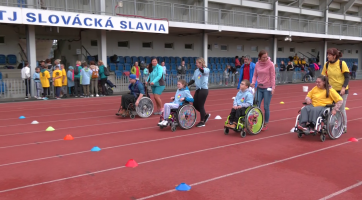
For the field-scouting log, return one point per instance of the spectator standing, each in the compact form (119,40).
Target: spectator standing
(70,77)
(136,70)
(354,70)
(25,75)
(181,71)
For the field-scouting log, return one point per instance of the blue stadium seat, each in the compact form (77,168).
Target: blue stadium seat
(191,60)
(217,60)
(213,66)
(172,60)
(141,58)
(134,59)
(120,67)
(108,60)
(89,58)
(186,59)
(173,66)
(2,59)
(222,60)
(178,60)
(167,60)
(1,76)
(128,60)
(112,67)
(159,59)
(127,67)
(224,66)
(218,66)
(12,60)
(193,66)
(148,59)
(119,74)
(121,59)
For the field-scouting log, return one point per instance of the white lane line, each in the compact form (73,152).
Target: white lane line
(342,191)
(144,162)
(248,169)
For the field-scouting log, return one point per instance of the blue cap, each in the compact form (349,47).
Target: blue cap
(132,76)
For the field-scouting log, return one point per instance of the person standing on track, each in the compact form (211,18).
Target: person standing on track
(201,80)
(264,74)
(246,70)
(338,74)
(157,82)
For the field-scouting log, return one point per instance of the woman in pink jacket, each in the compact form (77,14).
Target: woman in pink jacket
(264,74)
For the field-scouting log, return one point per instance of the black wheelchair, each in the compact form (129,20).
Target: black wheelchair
(326,124)
(252,122)
(144,108)
(184,116)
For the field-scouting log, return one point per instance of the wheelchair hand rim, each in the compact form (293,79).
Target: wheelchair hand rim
(254,120)
(186,116)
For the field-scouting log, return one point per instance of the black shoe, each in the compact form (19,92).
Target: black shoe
(200,124)
(207,117)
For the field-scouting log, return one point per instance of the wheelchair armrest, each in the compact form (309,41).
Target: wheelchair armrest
(330,105)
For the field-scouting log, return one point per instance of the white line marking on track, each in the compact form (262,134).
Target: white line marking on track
(342,191)
(246,170)
(144,162)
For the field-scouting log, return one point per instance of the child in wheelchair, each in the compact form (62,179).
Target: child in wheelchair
(182,94)
(244,98)
(316,101)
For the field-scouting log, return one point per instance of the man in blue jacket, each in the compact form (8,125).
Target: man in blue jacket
(137,90)
(247,70)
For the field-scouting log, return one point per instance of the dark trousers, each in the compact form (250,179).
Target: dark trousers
(199,102)
(57,91)
(45,91)
(126,100)
(27,87)
(77,87)
(103,85)
(235,114)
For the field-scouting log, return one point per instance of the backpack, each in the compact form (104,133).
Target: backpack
(94,74)
(76,70)
(340,66)
(106,71)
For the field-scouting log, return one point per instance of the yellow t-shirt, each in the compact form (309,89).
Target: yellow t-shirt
(58,81)
(64,77)
(44,79)
(319,98)
(335,76)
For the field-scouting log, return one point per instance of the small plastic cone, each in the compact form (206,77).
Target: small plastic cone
(21,117)
(292,130)
(282,102)
(352,140)
(68,137)
(95,148)
(183,187)
(346,108)
(218,117)
(354,93)
(35,122)
(50,129)
(131,163)
(233,98)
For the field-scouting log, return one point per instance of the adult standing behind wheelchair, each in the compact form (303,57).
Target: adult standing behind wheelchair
(157,83)
(264,75)
(338,74)
(137,92)
(317,100)
(201,80)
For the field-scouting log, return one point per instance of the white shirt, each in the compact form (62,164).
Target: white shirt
(25,73)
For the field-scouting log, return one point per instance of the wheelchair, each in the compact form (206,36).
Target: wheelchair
(184,116)
(326,124)
(252,122)
(144,108)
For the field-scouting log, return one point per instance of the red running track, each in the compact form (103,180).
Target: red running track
(35,164)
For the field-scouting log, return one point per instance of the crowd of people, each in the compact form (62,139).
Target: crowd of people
(83,80)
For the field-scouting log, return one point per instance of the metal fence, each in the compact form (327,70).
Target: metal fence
(15,88)
(191,14)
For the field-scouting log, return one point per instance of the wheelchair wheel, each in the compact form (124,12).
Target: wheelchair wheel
(323,137)
(186,116)
(300,135)
(254,120)
(335,125)
(145,107)
(109,91)
(308,78)
(132,116)
(173,128)
(242,134)
(226,131)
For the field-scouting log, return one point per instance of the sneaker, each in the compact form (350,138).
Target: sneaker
(57,98)
(207,117)
(45,98)
(75,96)
(97,95)
(233,126)
(164,123)
(161,122)
(81,96)
(200,124)
(304,129)
(91,95)
(26,98)
(39,98)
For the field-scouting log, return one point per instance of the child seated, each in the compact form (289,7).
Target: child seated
(182,93)
(244,99)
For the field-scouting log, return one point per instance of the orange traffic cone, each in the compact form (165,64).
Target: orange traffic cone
(68,137)
(131,163)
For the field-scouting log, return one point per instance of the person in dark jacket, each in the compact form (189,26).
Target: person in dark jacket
(181,71)
(282,72)
(354,70)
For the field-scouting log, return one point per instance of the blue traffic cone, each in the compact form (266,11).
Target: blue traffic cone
(21,117)
(95,148)
(183,187)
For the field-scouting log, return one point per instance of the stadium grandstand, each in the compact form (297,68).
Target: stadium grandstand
(121,33)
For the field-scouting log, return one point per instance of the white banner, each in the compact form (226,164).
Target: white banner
(79,20)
